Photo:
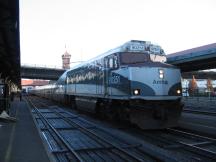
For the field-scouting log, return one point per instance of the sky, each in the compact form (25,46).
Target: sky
(90,27)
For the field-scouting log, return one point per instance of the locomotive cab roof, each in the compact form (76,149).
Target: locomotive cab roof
(145,47)
(138,46)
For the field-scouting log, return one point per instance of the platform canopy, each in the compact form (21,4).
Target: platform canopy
(194,59)
(9,41)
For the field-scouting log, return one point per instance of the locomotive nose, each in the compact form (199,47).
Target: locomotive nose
(155,81)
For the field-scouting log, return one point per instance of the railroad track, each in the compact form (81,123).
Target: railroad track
(197,147)
(202,122)
(198,144)
(159,145)
(71,138)
(210,113)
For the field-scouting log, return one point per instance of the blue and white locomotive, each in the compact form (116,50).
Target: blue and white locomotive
(130,82)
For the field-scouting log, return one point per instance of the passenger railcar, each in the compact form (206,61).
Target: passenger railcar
(130,82)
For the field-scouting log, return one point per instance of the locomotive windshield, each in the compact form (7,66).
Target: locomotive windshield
(133,58)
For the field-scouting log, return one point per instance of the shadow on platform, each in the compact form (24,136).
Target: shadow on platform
(20,140)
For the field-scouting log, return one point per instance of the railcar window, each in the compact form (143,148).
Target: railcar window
(115,61)
(110,62)
(106,63)
(132,58)
(67,80)
(98,64)
(101,63)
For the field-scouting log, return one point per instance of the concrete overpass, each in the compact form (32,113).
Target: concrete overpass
(190,61)
(200,75)
(54,73)
(34,72)
(199,58)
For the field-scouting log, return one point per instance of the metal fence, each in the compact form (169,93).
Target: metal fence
(199,92)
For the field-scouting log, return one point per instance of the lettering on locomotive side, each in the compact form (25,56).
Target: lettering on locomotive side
(114,80)
(160,82)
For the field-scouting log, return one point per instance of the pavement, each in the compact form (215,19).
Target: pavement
(20,140)
(200,103)
(202,123)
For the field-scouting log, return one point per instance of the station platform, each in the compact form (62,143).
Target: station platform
(20,140)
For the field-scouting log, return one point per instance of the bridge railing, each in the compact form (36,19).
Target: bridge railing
(41,66)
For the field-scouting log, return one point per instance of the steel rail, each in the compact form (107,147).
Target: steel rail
(54,130)
(191,134)
(211,113)
(195,147)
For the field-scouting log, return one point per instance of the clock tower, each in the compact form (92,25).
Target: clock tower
(66,60)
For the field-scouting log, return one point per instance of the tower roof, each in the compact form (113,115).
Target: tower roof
(66,54)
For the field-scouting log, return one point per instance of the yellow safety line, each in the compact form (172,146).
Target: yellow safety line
(9,148)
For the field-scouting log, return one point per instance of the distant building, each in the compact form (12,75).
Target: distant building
(28,84)
(32,82)
(66,60)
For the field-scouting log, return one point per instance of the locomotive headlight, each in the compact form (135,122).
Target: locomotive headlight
(136,91)
(178,91)
(161,76)
(161,73)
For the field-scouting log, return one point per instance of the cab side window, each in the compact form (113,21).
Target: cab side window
(113,62)
(106,62)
